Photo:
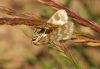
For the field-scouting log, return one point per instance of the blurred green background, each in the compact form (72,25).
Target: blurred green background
(18,52)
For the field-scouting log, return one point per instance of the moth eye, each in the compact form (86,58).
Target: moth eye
(33,39)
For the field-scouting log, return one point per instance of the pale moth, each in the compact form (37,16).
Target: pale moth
(62,33)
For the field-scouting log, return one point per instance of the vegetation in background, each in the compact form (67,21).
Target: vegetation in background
(85,38)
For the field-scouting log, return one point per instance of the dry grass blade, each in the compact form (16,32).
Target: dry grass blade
(64,51)
(73,15)
(24,18)
(85,40)
(14,13)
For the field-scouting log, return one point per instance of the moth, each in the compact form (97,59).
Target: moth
(43,32)
(63,32)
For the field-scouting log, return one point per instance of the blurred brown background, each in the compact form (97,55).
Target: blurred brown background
(18,52)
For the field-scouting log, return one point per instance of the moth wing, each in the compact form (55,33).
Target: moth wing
(59,18)
(62,33)
(68,31)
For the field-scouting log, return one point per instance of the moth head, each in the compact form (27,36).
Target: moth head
(59,18)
